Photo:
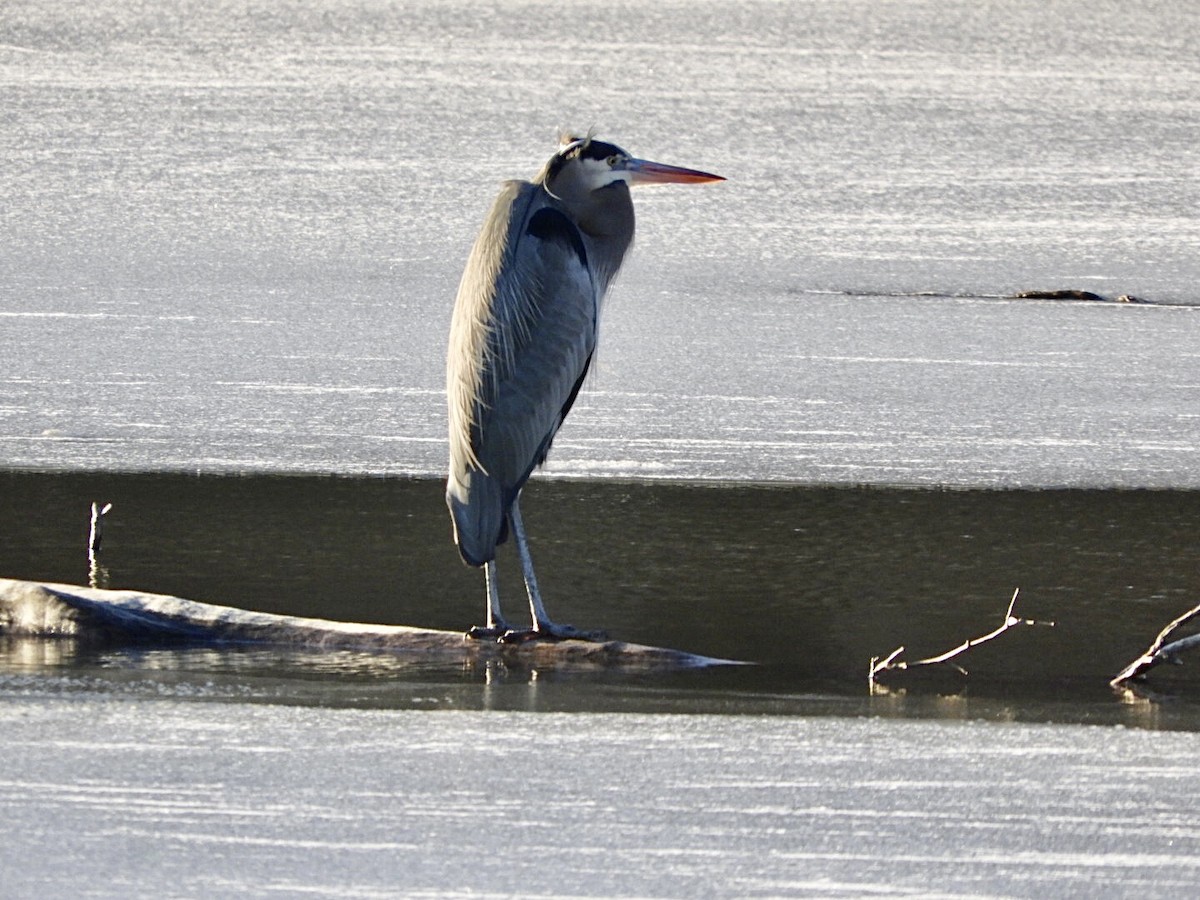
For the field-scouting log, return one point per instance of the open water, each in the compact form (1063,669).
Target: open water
(820,427)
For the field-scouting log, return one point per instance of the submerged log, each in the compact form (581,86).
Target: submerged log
(59,611)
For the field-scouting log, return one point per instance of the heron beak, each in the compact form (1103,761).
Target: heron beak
(642,171)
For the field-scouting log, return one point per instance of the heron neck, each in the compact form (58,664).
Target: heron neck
(606,218)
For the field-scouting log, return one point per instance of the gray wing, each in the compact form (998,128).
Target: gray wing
(522,338)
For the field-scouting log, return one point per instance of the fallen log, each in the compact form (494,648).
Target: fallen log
(59,611)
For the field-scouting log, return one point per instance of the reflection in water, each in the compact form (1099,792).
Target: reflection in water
(809,583)
(28,653)
(393,681)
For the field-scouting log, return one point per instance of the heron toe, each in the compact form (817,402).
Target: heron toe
(551,632)
(487,632)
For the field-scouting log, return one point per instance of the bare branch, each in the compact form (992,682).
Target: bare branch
(889,663)
(1160,651)
(877,666)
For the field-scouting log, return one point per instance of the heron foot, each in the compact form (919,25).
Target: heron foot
(551,632)
(487,632)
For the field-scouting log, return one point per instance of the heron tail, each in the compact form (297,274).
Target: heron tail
(480,516)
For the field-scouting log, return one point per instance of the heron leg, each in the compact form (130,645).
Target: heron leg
(496,626)
(542,626)
(537,610)
(494,616)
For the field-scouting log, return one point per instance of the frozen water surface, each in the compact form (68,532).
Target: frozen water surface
(231,235)
(352,803)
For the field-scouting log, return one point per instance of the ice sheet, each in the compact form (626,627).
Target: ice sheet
(179,798)
(232,237)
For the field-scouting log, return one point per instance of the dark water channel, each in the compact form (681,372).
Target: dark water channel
(809,583)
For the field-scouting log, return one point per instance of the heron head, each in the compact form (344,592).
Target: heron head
(583,165)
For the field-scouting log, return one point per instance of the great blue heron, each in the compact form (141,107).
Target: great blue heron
(521,340)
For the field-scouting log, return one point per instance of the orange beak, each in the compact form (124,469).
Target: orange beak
(642,171)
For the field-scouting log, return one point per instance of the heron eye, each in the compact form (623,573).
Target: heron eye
(613,160)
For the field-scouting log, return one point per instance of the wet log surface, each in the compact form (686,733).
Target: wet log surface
(59,611)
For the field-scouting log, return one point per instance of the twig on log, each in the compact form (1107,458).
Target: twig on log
(1160,651)
(97,574)
(889,663)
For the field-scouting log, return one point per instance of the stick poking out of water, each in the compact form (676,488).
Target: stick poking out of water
(97,574)
(96,538)
(890,663)
(1160,651)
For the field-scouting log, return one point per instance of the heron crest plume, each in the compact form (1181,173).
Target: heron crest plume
(568,140)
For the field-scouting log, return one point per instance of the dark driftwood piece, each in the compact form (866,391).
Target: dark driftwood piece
(891,663)
(1160,651)
(56,611)
(1075,295)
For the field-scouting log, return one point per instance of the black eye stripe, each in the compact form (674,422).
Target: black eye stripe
(600,150)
